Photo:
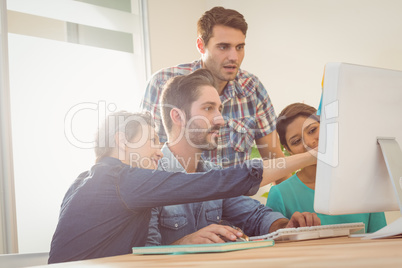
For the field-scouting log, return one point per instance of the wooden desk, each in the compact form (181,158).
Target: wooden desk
(330,252)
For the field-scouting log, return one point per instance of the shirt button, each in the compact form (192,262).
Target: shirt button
(217,217)
(176,225)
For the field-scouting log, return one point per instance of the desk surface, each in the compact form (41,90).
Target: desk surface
(329,252)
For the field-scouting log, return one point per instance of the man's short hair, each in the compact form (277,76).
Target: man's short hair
(220,16)
(181,91)
(128,123)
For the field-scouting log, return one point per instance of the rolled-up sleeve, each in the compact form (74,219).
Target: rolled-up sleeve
(256,169)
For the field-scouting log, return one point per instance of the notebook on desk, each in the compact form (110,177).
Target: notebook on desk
(202,248)
(313,232)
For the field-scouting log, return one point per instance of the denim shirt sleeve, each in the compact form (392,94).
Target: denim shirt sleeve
(256,165)
(143,188)
(154,235)
(250,215)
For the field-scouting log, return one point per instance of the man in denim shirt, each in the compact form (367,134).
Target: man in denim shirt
(191,111)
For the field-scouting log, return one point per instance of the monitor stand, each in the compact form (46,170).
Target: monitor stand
(393,160)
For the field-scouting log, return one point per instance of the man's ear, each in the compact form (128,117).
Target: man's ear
(177,116)
(200,45)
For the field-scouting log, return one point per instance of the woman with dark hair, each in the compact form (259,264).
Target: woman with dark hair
(298,128)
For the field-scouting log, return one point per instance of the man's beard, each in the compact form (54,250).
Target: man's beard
(198,137)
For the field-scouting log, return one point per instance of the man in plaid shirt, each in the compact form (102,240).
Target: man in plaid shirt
(247,109)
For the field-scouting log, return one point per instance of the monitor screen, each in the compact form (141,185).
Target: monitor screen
(359,105)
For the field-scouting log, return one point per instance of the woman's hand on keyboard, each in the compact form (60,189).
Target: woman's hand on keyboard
(298,220)
(303,219)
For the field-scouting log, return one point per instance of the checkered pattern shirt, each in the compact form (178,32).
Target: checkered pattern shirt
(247,110)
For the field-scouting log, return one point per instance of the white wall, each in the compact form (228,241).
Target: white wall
(173,31)
(289,41)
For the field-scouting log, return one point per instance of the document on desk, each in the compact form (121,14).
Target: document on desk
(202,248)
(392,229)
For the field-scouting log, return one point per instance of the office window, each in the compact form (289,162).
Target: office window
(70,63)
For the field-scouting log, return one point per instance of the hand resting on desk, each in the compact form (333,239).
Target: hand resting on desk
(214,233)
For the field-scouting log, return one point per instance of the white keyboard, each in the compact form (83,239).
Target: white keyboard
(313,232)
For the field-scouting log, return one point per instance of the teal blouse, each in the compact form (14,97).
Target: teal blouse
(293,195)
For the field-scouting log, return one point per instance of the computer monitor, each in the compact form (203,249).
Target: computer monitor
(361,126)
